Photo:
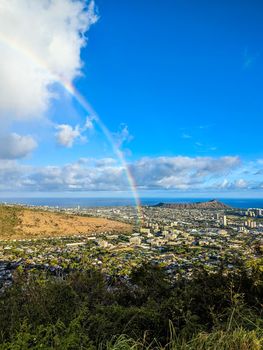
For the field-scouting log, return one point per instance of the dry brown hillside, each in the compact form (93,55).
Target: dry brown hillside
(20,223)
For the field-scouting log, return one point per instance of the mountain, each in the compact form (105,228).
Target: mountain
(213,204)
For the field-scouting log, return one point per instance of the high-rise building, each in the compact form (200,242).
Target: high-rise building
(224,220)
(250,224)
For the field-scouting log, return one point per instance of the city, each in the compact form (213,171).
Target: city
(131,175)
(180,240)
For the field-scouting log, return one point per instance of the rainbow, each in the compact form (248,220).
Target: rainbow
(69,87)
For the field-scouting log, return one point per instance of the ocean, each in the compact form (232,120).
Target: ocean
(105,202)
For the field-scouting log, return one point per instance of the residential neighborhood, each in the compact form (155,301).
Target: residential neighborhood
(178,239)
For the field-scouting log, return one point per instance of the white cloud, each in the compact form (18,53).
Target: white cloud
(162,173)
(235,184)
(224,184)
(106,162)
(241,183)
(89,123)
(12,175)
(186,136)
(77,177)
(15,146)
(122,136)
(66,134)
(178,172)
(40,43)
(198,144)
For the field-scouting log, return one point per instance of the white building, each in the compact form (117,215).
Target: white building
(136,240)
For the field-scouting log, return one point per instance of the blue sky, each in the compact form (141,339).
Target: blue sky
(177,83)
(173,68)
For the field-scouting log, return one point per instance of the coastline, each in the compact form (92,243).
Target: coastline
(242,203)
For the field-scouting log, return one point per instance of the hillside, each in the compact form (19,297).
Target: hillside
(23,223)
(213,204)
(87,310)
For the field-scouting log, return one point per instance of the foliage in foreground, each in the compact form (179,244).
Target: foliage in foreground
(86,310)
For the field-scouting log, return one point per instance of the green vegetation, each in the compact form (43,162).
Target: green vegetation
(193,288)
(89,310)
(8,220)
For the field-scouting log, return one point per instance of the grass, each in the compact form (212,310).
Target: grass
(238,339)
(9,220)
(23,223)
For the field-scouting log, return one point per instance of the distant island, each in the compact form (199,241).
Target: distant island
(212,204)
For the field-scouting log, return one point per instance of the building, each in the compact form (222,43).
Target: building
(145,230)
(250,224)
(136,240)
